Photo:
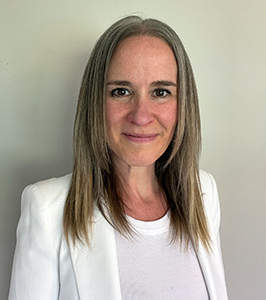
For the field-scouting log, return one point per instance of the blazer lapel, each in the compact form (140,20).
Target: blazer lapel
(68,285)
(95,268)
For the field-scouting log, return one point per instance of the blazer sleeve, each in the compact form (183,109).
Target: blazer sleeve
(212,263)
(216,216)
(35,265)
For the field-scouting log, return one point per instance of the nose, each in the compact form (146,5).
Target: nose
(141,113)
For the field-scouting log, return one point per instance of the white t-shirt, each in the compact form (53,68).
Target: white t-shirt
(151,267)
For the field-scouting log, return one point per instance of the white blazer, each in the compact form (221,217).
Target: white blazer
(45,268)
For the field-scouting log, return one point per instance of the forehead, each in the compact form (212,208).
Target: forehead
(135,44)
(140,53)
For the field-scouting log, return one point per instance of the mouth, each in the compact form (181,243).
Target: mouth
(140,138)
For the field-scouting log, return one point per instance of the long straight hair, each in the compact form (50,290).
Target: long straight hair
(95,184)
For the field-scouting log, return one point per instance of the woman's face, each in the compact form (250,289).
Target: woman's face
(141,100)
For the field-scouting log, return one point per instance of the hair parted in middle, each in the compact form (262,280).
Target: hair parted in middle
(94,177)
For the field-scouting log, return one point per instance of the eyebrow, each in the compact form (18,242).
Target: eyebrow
(119,82)
(163,83)
(154,83)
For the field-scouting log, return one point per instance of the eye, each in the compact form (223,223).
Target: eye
(161,93)
(120,92)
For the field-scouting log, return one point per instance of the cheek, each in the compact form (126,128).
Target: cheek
(110,115)
(115,116)
(115,113)
(169,115)
(110,124)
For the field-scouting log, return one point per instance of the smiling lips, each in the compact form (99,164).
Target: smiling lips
(140,138)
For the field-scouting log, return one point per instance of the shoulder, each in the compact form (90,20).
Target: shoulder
(43,205)
(208,188)
(207,181)
(52,186)
(210,199)
(51,191)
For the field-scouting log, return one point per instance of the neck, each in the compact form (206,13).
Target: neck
(141,193)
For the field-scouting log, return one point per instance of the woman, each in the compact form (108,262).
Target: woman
(136,219)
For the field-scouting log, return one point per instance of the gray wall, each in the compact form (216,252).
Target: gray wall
(44,48)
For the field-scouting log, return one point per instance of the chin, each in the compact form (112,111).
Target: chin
(139,160)
(141,163)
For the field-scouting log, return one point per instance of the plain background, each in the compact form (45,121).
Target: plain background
(44,47)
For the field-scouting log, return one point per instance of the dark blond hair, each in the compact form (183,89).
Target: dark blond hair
(177,170)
